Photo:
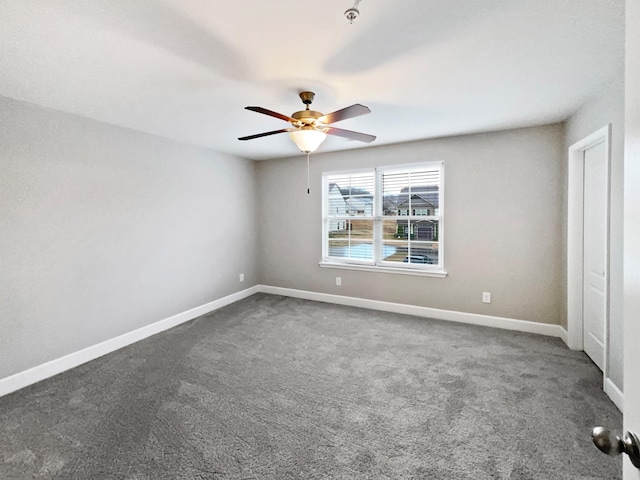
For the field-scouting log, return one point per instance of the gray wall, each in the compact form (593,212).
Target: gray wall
(503,224)
(608,108)
(104,230)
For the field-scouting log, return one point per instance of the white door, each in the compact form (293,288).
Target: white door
(632,229)
(595,253)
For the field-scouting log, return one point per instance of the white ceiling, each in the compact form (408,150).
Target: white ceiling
(184,69)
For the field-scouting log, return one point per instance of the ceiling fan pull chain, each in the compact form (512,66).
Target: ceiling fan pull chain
(308,154)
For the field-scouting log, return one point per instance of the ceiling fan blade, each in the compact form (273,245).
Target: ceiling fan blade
(265,134)
(271,113)
(348,112)
(361,137)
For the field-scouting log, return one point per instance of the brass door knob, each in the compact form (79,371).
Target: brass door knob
(611,444)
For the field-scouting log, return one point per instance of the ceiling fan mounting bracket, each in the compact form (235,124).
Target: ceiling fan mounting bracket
(307,98)
(351,14)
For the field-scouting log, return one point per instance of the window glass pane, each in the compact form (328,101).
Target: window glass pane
(416,257)
(361,250)
(395,229)
(356,249)
(353,239)
(426,200)
(361,229)
(411,251)
(354,229)
(339,248)
(394,250)
(425,230)
(338,228)
(424,253)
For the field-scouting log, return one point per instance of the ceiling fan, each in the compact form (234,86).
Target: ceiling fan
(310,128)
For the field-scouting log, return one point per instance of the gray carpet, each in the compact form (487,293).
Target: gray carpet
(276,388)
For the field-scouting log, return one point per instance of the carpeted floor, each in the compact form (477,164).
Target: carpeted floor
(278,388)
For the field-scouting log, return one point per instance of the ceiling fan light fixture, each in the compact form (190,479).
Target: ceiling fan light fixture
(307,139)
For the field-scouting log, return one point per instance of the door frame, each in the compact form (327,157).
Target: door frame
(575,242)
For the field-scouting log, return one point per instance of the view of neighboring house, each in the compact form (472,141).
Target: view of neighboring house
(410,202)
(345,202)
(416,205)
(417,201)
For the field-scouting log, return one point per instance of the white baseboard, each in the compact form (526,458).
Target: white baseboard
(564,336)
(614,393)
(449,315)
(59,365)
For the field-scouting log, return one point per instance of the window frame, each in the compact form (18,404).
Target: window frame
(377,263)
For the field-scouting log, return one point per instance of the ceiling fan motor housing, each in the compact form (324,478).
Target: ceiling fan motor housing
(307,116)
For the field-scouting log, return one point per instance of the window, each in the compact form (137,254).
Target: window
(386,217)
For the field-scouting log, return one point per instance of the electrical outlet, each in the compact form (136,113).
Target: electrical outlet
(338,281)
(242,277)
(486,297)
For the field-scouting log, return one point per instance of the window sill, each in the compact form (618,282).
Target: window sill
(375,268)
